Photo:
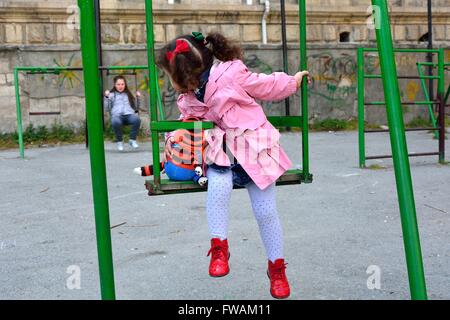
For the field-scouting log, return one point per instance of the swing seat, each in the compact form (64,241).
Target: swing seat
(167,186)
(291,177)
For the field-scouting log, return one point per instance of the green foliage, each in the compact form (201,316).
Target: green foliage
(376,167)
(58,133)
(63,133)
(418,122)
(43,135)
(335,125)
(8,140)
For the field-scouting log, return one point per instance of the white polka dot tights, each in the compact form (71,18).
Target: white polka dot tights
(264,207)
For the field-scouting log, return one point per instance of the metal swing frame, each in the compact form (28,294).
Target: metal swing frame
(55,71)
(437,125)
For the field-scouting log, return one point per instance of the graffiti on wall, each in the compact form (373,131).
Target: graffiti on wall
(257,65)
(68,79)
(412,90)
(406,65)
(168,93)
(334,77)
(371,63)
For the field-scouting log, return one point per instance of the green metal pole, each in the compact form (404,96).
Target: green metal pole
(400,153)
(19,114)
(285,53)
(361,94)
(153,89)
(426,93)
(441,98)
(304,66)
(96,147)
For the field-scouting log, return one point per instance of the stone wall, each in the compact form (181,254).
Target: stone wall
(44,33)
(332,93)
(123,22)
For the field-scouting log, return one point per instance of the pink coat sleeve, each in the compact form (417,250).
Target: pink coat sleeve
(267,87)
(189,106)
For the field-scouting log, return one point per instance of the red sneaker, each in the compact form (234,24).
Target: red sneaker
(279,285)
(218,266)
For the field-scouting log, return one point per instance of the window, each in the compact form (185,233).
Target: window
(424,38)
(344,36)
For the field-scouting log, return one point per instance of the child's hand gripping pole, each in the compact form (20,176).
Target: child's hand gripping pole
(299,77)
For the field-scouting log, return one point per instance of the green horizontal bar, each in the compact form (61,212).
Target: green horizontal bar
(46,68)
(429,77)
(286,121)
(165,126)
(53,69)
(405,50)
(378,76)
(431,64)
(382,103)
(421,102)
(277,121)
(124,68)
(372,76)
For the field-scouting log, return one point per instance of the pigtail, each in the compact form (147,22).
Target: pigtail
(187,70)
(222,48)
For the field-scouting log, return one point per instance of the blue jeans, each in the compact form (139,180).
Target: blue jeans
(180,174)
(130,119)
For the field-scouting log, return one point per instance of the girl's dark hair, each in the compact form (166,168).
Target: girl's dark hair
(131,98)
(186,68)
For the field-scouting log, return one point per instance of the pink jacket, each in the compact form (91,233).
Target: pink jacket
(230,103)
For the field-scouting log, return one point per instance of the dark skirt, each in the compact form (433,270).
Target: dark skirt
(240,176)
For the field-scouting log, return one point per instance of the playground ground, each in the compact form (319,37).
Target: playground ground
(335,228)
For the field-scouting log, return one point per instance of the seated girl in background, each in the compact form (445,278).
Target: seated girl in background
(123,108)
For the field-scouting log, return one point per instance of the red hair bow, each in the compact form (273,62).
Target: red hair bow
(182,46)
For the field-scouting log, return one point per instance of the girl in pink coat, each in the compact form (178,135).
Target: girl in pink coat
(243,148)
